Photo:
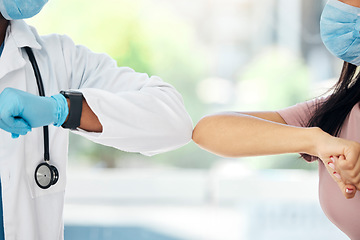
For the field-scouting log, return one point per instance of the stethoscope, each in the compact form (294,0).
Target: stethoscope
(45,175)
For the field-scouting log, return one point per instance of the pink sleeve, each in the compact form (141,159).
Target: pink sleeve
(299,114)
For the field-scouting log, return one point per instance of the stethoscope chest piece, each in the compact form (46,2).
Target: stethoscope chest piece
(46,175)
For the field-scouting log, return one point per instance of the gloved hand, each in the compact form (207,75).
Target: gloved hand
(20,111)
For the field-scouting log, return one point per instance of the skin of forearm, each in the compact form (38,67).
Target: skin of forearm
(89,121)
(240,135)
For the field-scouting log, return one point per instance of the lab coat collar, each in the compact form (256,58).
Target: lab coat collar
(18,35)
(23,34)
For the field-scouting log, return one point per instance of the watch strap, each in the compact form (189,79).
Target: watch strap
(76,99)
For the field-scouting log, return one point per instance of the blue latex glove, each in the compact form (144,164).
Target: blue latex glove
(21,111)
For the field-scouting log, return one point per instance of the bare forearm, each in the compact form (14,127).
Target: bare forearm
(89,121)
(238,135)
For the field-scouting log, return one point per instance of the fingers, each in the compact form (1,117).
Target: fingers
(342,163)
(348,190)
(16,126)
(349,169)
(332,168)
(9,115)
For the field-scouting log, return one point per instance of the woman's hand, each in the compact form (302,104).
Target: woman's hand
(348,189)
(341,158)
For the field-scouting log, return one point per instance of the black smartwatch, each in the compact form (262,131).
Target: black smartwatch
(76,99)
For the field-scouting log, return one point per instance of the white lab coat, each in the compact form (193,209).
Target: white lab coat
(138,114)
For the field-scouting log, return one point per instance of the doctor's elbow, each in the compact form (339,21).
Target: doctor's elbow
(183,131)
(172,131)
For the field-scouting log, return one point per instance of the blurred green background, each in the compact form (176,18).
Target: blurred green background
(214,68)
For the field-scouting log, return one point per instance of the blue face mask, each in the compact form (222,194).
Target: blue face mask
(339,27)
(20,9)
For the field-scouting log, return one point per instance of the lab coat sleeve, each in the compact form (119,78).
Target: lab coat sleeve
(138,113)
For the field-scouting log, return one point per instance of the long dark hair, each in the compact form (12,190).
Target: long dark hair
(331,114)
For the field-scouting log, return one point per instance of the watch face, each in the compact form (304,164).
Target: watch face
(43,175)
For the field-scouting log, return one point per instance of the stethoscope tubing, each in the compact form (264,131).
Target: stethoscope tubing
(41,93)
(52,170)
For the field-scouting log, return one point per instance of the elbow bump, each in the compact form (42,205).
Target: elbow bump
(195,135)
(200,130)
(182,132)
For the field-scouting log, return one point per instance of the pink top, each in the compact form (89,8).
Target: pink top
(345,214)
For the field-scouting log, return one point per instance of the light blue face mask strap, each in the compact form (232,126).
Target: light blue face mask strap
(344,7)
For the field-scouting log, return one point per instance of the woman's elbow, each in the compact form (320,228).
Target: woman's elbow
(206,134)
(200,131)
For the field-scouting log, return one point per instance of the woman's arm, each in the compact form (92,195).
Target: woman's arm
(265,133)
(252,134)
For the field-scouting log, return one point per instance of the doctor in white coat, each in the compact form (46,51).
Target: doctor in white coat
(118,107)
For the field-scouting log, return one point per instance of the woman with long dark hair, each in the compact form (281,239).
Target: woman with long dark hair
(325,129)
